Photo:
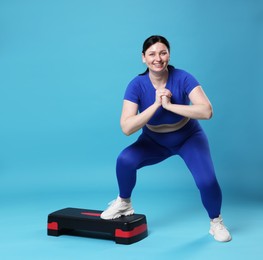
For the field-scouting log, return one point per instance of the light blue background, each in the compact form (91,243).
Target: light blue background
(64,66)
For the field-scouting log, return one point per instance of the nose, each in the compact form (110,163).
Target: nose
(158,57)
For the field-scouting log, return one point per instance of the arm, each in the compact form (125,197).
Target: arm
(131,121)
(201,107)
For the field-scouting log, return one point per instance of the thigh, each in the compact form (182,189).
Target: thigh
(196,154)
(144,152)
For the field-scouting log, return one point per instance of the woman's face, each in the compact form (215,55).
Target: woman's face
(156,57)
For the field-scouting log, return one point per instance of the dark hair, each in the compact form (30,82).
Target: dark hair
(151,41)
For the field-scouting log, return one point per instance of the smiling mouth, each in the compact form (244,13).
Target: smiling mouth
(158,65)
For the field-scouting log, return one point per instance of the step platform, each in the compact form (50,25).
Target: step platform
(87,223)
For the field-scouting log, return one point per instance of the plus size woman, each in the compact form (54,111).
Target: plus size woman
(165,103)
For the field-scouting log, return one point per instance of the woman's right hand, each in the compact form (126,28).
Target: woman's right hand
(159,93)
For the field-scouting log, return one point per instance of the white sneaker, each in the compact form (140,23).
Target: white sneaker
(218,230)
(119,207)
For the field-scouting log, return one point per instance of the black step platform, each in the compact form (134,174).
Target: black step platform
(87,223)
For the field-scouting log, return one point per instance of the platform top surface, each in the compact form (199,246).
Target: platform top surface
(91,214)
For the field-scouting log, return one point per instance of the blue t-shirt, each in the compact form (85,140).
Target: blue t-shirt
(141,91)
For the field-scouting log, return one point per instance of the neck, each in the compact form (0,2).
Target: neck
(159,79)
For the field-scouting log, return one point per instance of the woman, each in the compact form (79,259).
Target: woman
(162,96)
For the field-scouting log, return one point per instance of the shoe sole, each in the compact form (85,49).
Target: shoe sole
(211,232)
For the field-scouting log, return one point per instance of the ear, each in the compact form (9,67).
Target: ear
(143,58)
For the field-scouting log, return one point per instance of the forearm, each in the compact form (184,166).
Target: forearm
(134,123)
(199,111)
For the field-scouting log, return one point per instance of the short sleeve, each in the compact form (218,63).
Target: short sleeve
(190,83)
(132,92)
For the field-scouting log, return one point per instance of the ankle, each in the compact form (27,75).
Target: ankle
(217,219)
(127,200)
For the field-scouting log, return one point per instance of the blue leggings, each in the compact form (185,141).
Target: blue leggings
(190,143)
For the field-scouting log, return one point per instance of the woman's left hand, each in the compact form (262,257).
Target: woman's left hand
(166,98)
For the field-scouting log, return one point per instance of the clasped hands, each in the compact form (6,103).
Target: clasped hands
(163,97)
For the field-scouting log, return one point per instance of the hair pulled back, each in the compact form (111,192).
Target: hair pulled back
(151,41)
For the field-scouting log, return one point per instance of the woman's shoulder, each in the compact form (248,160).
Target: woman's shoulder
(177,71)
(137,80)
(180,74)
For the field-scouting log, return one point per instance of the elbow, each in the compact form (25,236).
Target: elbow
(209,113)
(209,116)
(126,130)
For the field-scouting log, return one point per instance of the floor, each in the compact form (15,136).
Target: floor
(177,225)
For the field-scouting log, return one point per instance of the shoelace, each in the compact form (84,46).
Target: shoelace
(220,225)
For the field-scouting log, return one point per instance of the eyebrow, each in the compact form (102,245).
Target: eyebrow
(156,51)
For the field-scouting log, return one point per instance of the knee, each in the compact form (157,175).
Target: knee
(126,160)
